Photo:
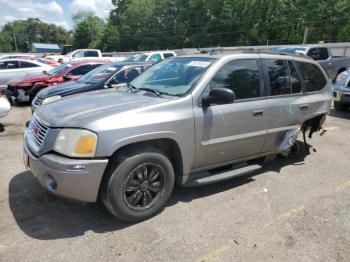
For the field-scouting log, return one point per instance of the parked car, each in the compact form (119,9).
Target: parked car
(341,92)
(24,89)
(14,56)
(5,106)
(107,76)
(179,121)
(151,56)
(12,68)
(333,65)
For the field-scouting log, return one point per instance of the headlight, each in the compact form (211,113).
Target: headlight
(76,143)
(50,99)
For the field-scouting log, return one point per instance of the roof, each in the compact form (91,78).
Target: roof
(45,46)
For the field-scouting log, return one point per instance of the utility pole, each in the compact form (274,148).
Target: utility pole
(14,38)
(306,34)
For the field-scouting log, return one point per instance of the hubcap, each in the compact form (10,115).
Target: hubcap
(144,186)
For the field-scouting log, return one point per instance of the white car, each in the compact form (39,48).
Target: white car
(4,106)
(13,68)
(151,56)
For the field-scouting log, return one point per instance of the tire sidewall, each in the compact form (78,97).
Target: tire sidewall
(115,194)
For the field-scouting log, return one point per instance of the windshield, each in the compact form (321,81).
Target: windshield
(288,50)
(59,69)
(137,58)
(99,74)
(174,76)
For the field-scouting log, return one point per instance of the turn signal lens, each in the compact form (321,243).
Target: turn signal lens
(85,145)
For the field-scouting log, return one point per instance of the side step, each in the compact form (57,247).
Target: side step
(204,178)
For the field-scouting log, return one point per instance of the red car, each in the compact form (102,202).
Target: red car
(24,89)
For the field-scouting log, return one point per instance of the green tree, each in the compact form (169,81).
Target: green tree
(5,43)
(88,29)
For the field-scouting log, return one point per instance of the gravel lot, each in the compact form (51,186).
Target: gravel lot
(293,210)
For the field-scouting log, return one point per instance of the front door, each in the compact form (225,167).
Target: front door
(232,131)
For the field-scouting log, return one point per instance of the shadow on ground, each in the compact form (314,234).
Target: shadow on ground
(2,128)
(343,115)
(44,216)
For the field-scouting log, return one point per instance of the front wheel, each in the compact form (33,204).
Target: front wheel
(339,106)
(137,187)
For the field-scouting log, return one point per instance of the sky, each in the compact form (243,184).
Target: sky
(58,12)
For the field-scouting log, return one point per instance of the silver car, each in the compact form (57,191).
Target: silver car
(341,94)
(177,122)
(13,68)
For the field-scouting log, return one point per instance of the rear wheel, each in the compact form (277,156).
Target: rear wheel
(340,107)
(137,186)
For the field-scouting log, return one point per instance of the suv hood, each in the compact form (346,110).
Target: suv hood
(29,79)
(82,110)
(63,89)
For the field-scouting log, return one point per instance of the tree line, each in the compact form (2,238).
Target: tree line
(172,24)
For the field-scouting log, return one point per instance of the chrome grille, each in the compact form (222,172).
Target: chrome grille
(38,101)
(38,130)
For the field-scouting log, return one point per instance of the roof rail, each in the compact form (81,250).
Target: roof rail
(214,51)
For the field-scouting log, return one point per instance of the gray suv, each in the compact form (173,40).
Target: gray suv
(177,122)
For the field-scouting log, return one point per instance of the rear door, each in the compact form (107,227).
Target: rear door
(284,104)
(232,131)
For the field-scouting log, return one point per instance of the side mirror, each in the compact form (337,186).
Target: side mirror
(218,96)
(67,77)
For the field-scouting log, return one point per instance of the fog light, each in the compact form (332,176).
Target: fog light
(51,182)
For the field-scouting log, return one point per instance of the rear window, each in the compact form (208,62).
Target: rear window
(313,77)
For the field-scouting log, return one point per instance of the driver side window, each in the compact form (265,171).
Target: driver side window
(241,76)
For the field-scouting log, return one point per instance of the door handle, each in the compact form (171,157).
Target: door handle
(258,113)
(304,107)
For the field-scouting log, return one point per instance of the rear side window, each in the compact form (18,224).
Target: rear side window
(81,70)
(91,54)
(278,77)
(294,78)
(155,58)
(25,64)
(318,53)
(313,77)
(241,76)
(167,55)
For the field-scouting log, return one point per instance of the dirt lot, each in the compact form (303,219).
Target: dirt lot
(293,210)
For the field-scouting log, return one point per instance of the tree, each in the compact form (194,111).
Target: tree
(88,29)
(5,43)
(26,32)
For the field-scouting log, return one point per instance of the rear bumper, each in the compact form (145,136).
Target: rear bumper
(75,179)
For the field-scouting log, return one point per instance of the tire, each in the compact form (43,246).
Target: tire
(339,106)
(132,190)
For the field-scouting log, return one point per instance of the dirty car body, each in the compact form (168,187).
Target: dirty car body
(178,121)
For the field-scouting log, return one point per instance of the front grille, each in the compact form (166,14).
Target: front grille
(38,130)
(38,101)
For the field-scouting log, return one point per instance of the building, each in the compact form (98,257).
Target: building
(45,48)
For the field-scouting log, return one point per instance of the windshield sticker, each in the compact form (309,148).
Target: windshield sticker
(199,64)
(111,68)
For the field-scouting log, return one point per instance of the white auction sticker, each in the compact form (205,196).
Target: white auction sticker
(199,63)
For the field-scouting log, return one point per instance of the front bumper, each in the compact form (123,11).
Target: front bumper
(75,179)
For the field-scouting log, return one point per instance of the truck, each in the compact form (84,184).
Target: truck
(333,65)
(191,120)
(84,54)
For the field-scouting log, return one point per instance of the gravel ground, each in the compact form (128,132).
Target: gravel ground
(294,209)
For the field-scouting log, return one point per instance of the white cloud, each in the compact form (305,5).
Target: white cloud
(50,12)
(100,7)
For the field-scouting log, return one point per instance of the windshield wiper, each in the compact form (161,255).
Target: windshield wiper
(150,90)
